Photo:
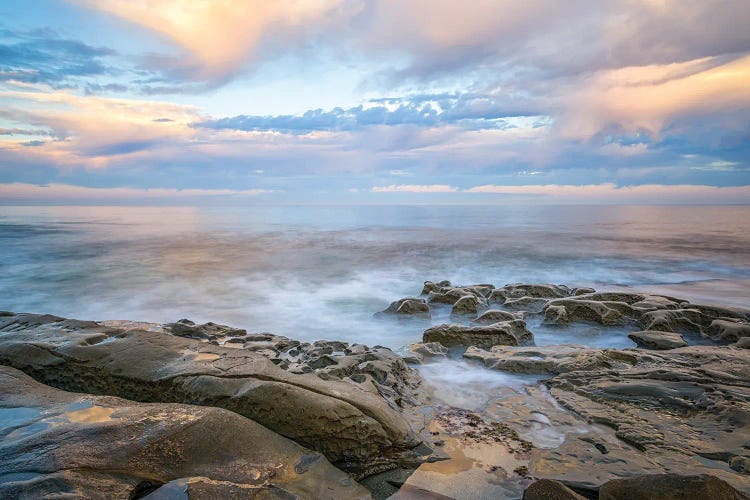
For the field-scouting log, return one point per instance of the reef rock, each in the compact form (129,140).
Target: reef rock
(410,306)
(429,286)
(496,316)
(428,351)
(468,304)
(669,487)
(674,405)
(349,421)
(502,333)
(653,339)
(60,444)
(207,331)
(548,489)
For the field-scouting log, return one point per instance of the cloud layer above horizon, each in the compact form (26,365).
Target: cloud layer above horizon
(375,101)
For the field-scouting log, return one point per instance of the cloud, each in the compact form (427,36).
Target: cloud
(42,56)
(471,111)
(718,166)
(20,192)
(652,97)
(223,37)
(413,188)
(611,193)
(92,132)
(441,37)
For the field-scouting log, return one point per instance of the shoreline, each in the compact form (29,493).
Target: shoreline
(375,417)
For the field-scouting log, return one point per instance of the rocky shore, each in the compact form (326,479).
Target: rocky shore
(122,409)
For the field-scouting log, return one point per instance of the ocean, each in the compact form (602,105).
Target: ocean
(320,272)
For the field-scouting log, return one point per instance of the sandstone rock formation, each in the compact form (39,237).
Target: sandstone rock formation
(347,420)
(409,306)
(502,333)
(547,489)
(653,339)
(428,351)
(495,316)
(669,487)
(677,407)
(57,444)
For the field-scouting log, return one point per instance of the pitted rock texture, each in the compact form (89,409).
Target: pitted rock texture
(57,444)
(562,305)
(408,306)
(672,405)
(376,367)
(547,489)
(207,331)
(653,339)
(641,487)
(348,421)
(425,352)
(496,316)
(680,403)
(669,487)
(512,332)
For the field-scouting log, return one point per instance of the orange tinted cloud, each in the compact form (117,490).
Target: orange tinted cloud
(92,131)
(650,97)
(223,34)
(611,193)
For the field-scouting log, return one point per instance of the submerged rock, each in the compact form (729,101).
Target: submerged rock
(408,306)
(429,286)
(563,311)
(503,333)
(496,316)
(538,291)
(351,423)
(542,360)
(60,444)
(468,304)
(428,351)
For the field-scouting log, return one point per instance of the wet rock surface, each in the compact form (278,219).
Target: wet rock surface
(679,404)
(681,410)
(483,459)
(408,306)
(512,332)
(669,487)
(426,352)
(547,489)
(64,445)
(676,406)
(653,339)
(348,420)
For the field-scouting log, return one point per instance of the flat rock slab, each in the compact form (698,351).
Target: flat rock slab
(350,423)
(512,332)
(653,339)
(485,460)
(66,445)
(684,410)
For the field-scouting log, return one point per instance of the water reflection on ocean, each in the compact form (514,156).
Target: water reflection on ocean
(320,272)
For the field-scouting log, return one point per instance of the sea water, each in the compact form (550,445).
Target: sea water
(320,272)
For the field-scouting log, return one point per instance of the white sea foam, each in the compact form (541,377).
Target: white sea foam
(321,272)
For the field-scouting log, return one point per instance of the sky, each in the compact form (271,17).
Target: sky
(374,101)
